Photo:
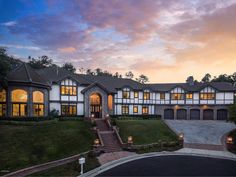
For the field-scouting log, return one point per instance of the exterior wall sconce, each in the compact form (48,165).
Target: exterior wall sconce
(92,115)
(181,136)
(229,140)
(130,140)
(107,115)
(96,142)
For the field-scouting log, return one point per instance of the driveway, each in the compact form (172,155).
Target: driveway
(174,166)
(201,132)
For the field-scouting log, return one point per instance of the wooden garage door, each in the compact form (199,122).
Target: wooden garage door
(181,114)
(169,114)
(222,114)
(195,114)
(208,114)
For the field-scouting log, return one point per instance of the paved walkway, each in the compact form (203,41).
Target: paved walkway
(201,132)
(108,157)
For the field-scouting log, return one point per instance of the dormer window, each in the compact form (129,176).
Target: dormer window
(68,87)
(126,93)
(146,95)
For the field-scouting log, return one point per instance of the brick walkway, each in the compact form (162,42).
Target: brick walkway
(108,157)
(110,141)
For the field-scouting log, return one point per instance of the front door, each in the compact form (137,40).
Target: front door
(95,110)
(95,105)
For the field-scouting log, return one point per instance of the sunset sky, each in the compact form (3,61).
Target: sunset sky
(167,40)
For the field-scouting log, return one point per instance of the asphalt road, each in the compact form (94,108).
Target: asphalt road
(175,166)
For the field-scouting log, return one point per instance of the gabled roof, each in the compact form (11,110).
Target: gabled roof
(56,74)
(26,74)
(95,84)
(113,83)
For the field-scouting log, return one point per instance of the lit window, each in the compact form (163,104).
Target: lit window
(2,95)
(68,90)
(19,96)
(2,110)
(19,110)
(177,96)
(95,99)
(125,109)
(126,94)
(162,96)
(68,110)
(38,103)
(145,110)
(207,96)
(189,96)
(146,95)
(135,94)
(110,102)
(135,109)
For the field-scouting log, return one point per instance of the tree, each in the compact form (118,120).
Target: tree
(206,78)
(42,62)
(223,78)
(5,66)
(142,79)
(232,113)
(129,75)
(69,67)
(82,70)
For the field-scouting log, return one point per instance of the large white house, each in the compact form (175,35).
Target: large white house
(35,93)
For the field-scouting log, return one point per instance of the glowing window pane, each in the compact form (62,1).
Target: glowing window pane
(2,95)
(19,96)
(38,97)
(110,102)
(135,109)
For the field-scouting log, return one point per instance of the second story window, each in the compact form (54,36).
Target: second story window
(146,95)
(68,87)
(207,96)
(189,96)
(135,94)
(126,93)
(162,96)
(177,96)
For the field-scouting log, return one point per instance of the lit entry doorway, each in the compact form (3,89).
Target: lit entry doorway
(95,105)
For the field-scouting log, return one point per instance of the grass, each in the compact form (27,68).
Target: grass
(145,131)
(71,169)
(26,145)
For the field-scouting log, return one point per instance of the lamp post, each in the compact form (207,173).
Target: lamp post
(181,136)
(96,142)
(81,162)
(130,140)
(229,140)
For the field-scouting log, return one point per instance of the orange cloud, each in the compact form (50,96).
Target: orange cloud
(67,50)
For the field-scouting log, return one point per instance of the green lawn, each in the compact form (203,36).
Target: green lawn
(26,145)
(71,169)
(145,131)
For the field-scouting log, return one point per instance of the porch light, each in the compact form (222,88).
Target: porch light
(96,142)
(92,115)
(107,115)
(130,139)
(229,140)
(181,136)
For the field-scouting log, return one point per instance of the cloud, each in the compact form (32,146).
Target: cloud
(67,50)
(20,47)
(9,23)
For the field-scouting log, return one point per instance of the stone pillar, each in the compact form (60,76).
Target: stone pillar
(188,113)
(201,114)
(175,114)
(215,114)
(30,102)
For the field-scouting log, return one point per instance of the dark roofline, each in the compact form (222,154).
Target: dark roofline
(96,84)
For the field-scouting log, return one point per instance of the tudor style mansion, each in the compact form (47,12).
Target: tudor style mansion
(36,92)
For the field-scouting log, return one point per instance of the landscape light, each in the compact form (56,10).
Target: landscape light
(130,139)
(181,136)
(96,142)
(229,140)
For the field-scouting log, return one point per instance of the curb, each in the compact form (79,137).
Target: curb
(115,163)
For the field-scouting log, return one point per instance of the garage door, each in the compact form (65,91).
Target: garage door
(181,114)
(208,114)
(195,114)
(222,114)
(169,114)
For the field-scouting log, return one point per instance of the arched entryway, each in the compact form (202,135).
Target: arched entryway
(95,101)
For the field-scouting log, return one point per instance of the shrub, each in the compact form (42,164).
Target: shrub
(54,113)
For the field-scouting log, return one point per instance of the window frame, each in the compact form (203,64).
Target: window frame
(162,96)
(134,109)
(70,88)
(68,110)
(19,109)
(145,108)
(205,96)
(180,96)
(2,112)
(38,107)
(187,96)
(146,95)
(125,110)
(136,94)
